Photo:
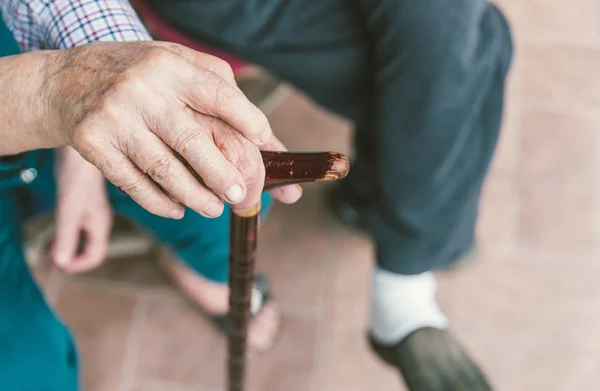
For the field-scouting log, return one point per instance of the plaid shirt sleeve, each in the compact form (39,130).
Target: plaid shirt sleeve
(61,24)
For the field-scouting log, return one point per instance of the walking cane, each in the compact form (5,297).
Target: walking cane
(282,168)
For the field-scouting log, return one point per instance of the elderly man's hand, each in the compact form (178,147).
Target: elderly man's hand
(134,109)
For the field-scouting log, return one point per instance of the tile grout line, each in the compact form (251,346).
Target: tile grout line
(131,355)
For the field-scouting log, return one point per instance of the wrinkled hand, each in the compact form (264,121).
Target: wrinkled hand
(82,208)
(134,109)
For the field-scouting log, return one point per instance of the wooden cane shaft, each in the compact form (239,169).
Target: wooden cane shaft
(281,169)
(243,239)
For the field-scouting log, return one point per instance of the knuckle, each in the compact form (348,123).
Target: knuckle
(224,95)
(189,138)
(159,55)
(135,186)
(110,108)
(161,169)
(221,67)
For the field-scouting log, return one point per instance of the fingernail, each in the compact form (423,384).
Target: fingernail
(61,259)
(266,136)
(177,214)
(234,193)
(214,209)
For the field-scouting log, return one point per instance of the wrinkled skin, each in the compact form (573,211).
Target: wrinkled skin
(131,108)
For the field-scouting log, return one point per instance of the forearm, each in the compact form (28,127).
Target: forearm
(23,110)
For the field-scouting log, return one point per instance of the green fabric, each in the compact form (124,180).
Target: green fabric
(8,45)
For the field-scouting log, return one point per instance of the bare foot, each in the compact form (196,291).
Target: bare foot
(213,299)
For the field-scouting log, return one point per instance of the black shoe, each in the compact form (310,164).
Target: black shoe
(431,360)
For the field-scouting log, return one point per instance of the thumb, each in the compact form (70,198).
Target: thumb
(66,237)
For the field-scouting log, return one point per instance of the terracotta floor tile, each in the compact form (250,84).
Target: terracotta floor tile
(534,16)
(291,365)
(496,227)
(558,182)
(178,345)
(562,73)
(294,251)
(138,271)
(347,362)
(351,366)
(535,300)
(101,322)
(542,366)
(506,155)
(349,288)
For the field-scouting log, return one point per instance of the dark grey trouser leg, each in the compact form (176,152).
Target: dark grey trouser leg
(424,79)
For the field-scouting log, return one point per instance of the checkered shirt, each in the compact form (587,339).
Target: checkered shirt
(61,24)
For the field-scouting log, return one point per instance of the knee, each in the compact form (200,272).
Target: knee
(454,35)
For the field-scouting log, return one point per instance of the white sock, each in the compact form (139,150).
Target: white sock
(401,304)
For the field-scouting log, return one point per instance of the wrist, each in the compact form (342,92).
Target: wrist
(50,96)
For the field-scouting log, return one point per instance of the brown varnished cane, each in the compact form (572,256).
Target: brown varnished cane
(282,168)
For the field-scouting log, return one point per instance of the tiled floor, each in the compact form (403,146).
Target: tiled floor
(529,309)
